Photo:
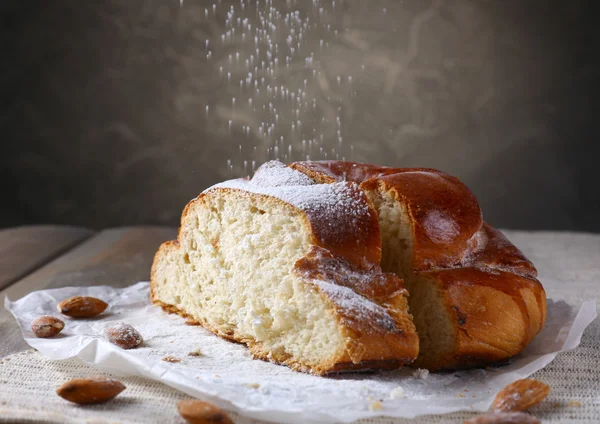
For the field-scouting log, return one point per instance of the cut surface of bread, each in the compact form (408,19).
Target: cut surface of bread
(260,262)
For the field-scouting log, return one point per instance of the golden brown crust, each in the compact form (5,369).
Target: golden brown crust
(355,237)
(495,314)
(489,287)
(448,228)
(444,212)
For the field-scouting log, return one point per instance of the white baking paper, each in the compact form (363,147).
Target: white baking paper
(225,373)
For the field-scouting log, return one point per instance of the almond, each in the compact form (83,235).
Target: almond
(520,395)
(47,326)
(504,418)
(82,306)
(123,335)
(198,412)
(86,391)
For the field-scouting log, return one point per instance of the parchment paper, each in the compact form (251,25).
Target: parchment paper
(225,373)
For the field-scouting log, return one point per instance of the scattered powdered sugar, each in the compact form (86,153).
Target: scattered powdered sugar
(123,335)
(366,279)
(397,393)
(253,385)
(195,352)
(123,328)
(226,374)
(170,358)
(375,405)
(421,373)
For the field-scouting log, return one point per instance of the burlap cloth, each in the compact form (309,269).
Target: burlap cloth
(569,266)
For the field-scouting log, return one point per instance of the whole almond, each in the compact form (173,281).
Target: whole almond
(123,335)
(520,395)
(82,306)
(87,391)
(504,418)
(47,326)
(198,412)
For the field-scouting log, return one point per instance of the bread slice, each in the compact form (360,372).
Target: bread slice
(290,268)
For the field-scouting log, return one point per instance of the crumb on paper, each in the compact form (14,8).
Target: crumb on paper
(466,390)
(397,393)
(252,385)
(375,405)
(170,358)
(421,373)
(172,341)
(195,352)
(574,403)
(217,376)
(556,405)
(459,395)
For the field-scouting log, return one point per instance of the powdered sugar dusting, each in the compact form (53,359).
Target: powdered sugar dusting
(339,213)
(277,174)
(421,373)
(366,279)
(352,304)
(123,335)
(277,180)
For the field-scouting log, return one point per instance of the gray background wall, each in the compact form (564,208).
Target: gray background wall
(103,120)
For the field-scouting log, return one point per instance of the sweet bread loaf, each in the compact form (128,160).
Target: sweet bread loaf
(305,265)
(292,269)
(474,297)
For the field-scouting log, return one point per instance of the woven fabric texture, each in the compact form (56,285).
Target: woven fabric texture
(569,266)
